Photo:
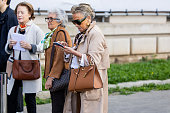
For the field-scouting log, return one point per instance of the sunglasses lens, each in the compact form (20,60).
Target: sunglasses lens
(76,22)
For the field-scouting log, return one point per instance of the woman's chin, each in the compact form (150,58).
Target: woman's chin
(81,30)
(21,22)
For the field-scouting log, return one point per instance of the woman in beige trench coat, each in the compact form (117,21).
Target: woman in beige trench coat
(89,41)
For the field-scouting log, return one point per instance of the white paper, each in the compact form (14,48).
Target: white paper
(18,37)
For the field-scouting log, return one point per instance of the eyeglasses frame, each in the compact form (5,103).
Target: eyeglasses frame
(50,19)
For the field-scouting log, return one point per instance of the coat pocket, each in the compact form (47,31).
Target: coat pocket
(93,95)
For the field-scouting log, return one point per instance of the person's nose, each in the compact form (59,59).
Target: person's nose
(19,14)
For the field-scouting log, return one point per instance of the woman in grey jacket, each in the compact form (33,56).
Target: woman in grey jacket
(33,35)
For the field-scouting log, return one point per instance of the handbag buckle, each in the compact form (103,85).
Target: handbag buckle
(84,75)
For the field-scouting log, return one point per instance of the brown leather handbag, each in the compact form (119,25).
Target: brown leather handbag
(85,78)
(25,69)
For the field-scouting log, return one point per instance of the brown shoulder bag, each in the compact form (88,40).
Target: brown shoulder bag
(85,78)
(25,69)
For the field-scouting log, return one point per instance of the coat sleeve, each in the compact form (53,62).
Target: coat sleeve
(40,37)
(58,61)
(38,47)
(96,46)
(9,36)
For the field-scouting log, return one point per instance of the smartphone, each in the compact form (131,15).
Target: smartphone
(58,44)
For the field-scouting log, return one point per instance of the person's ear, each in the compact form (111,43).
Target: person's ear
(89,17)
(88,20)
(60,22)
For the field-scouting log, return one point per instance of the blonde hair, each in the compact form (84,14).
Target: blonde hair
(84,9)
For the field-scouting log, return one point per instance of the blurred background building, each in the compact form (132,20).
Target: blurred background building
(134,29)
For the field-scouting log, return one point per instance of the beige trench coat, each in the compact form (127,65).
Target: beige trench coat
(93,101)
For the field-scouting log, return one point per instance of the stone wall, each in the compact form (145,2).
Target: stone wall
(130,38)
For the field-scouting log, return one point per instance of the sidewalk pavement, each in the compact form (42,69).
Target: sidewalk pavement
(46,94)
(142,102)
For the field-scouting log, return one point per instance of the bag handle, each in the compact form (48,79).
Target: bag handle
(53,48)
(27,70)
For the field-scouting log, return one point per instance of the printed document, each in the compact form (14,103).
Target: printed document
(18,37)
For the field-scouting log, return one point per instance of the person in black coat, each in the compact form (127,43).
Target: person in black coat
(8,19)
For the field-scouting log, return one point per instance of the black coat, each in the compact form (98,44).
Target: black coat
(8,19)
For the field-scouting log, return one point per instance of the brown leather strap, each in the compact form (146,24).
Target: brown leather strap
(15,30)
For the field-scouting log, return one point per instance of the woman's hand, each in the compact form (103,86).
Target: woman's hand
(69,50)
(12,43)
(25,45)
(62,43)
(48,83)
(66,49)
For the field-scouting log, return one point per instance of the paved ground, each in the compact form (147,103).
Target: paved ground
(151,102)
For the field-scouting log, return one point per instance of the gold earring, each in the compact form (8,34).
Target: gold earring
(87,24)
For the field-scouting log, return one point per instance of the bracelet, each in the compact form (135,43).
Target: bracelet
(50,77)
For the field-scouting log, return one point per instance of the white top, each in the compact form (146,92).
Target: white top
(77,63)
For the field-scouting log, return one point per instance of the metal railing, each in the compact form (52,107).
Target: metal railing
(110,13)
(3,92)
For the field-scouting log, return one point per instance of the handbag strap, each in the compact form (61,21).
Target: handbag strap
(53,48)
(15,30)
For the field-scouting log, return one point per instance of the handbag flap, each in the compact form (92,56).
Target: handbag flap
(85,70)
(26,65)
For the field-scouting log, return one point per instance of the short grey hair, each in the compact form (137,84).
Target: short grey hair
(84,9)
(60,14)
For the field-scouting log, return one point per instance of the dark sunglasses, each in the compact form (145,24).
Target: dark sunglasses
(78,22)
(50,19)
